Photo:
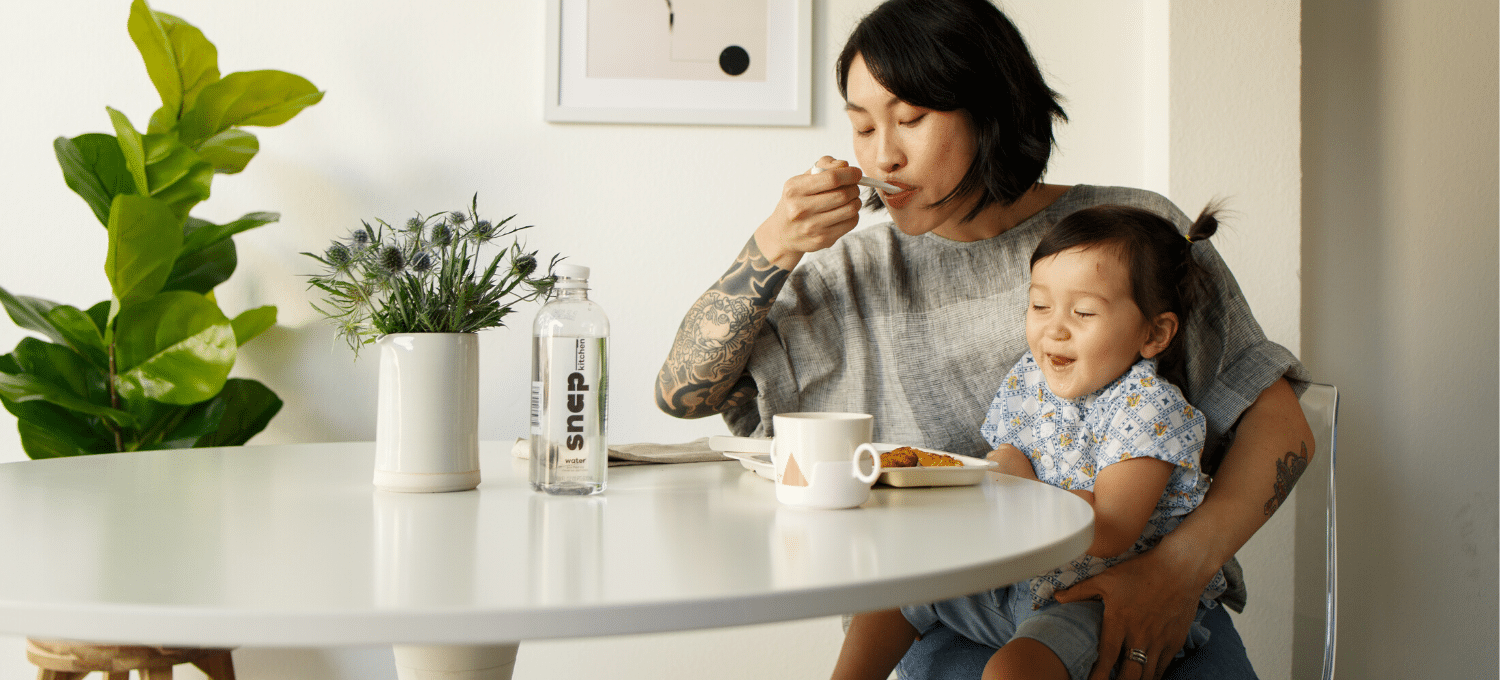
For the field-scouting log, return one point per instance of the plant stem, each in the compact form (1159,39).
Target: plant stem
(114,400)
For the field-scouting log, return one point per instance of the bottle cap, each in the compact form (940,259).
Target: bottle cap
(571,276)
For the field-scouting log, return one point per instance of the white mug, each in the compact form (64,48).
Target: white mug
(824,460)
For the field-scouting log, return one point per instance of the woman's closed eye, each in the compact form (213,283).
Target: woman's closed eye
(914,121)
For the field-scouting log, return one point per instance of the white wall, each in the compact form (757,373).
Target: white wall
(1400,129)
(426,107)
(1234,72)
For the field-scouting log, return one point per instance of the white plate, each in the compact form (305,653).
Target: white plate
(728,444)
(759,463)
(972,471)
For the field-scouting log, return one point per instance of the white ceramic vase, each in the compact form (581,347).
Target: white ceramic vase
(427,412)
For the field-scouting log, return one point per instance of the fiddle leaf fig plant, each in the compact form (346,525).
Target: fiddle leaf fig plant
(149,368)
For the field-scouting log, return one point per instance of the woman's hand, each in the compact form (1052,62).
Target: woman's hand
(1150,601)
(813,213)
(1149,604)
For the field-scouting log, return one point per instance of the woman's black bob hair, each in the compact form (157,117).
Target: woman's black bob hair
(964,55)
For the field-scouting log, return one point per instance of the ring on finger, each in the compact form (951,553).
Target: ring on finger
(1138,656)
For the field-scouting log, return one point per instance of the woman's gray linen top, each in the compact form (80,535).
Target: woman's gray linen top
(918,331)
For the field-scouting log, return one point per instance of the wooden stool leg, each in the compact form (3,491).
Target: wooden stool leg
(117,675)
(156,673)
(48,674)
(217,666)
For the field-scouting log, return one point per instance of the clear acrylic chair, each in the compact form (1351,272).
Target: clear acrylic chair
(1315,616)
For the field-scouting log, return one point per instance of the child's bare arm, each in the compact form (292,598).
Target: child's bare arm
(1124,495)
(1012,462)
(1016,464)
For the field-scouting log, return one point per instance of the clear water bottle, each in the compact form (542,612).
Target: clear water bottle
(569,389)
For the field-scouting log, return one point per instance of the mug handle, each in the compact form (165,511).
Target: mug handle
(874,464)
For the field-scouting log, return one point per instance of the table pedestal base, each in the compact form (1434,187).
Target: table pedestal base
(455,662)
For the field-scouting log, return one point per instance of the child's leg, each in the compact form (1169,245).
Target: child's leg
(1025,658)
(873,645)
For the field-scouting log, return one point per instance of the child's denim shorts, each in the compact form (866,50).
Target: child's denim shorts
(995,617)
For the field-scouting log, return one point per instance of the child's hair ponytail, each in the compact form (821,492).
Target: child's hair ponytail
(1164,274)
(1193,281)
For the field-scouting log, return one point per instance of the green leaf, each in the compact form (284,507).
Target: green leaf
(264,98)
(250,407)
(179,60)
(99,314)
(49,430)
(253,322)
(170,426)
(31,313)
(144,238)
(131,148)
(163,120)
(25,387)
(176,348)
(229,151)
(94,168)
(63,324)
(199,234)
(201,271)
(56,439)
(60,366)
(175,174)
(80,334)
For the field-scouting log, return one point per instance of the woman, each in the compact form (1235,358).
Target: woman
(914,321)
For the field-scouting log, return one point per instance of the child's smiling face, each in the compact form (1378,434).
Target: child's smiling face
(1083,326)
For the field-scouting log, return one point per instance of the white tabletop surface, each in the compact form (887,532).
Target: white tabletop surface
(292,546)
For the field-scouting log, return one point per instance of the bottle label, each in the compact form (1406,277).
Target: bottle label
(567,404)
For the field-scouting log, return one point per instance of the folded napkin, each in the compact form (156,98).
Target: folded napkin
(696,451)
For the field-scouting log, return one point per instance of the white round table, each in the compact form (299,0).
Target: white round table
(293,546)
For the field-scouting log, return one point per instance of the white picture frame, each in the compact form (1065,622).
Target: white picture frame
(779,95)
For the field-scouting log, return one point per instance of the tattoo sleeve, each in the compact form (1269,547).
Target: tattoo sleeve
(1288,470)
(705,371)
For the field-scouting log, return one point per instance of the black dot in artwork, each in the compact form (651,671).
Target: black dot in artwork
(734,60)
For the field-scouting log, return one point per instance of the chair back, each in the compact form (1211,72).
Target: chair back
(1316,562)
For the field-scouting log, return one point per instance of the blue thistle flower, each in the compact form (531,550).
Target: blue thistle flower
(421,263)
(392,260)
(483,231)
(458,218)
(442,234)
(415,224)
(338,255)
(524,265)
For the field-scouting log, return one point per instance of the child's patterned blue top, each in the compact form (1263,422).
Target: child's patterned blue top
(1070,440)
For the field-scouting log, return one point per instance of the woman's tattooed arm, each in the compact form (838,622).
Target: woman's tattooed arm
(705,371)
(1288,470)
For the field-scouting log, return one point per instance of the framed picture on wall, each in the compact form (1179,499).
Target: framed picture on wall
(705,62)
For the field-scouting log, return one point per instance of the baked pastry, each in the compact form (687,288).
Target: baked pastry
(926,459)
(905,456)
(908,456)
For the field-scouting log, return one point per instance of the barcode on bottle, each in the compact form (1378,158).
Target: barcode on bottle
(536,407)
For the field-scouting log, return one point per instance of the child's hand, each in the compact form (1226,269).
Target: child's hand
(1012,462)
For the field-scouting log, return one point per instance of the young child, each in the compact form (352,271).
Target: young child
(1085,409)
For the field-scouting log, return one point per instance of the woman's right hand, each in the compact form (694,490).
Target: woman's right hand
(815,210)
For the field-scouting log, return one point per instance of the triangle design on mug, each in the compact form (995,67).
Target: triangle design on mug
(793,474)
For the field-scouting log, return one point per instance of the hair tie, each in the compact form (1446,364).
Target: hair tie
(1189,239)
